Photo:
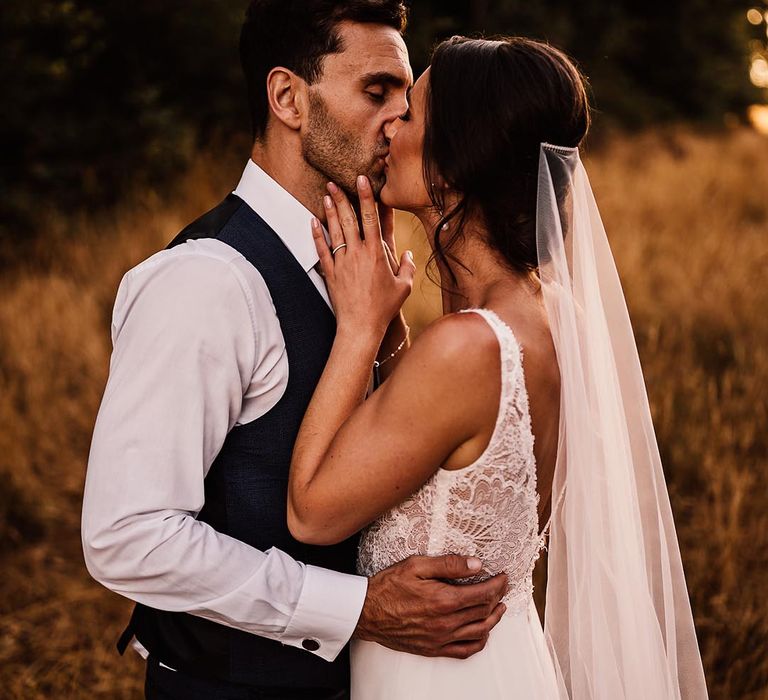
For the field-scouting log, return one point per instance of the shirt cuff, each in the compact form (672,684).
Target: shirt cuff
(327,612)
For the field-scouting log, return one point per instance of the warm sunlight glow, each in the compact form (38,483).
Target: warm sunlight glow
(754,16)
(758,117)
(758,72)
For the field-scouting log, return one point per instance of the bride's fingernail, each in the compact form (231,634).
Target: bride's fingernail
(362,181)
(328,202)
(332,188)
(315,222)
(474,564)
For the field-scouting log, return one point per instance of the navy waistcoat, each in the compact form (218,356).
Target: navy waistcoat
(246,487)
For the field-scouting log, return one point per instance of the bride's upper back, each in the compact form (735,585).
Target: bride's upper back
(484,500)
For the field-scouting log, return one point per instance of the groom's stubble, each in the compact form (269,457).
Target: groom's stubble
(337,152)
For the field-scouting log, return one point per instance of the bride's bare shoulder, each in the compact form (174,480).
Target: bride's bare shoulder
(451,373)
(461,343)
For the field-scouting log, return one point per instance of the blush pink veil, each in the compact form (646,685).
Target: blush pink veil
(618,619)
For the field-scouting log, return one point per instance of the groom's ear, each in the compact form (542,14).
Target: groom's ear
(285,92)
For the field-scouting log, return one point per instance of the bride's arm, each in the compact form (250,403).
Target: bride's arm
(397,338)
(352,460)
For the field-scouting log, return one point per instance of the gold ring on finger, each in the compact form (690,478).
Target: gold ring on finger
(338,248)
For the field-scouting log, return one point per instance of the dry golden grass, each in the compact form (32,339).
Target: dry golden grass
(688,218)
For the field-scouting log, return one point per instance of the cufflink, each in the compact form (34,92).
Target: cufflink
(310,644)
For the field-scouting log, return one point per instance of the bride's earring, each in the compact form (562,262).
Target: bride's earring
(444,227)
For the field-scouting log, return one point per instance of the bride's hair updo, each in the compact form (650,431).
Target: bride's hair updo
(490,104)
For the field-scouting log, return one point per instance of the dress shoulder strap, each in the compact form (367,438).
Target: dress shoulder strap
(514,408)
(512,379)
(511,352)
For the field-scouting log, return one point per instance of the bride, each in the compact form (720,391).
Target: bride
(520,413)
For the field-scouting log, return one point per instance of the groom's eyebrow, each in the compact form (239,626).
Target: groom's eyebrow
(384,78)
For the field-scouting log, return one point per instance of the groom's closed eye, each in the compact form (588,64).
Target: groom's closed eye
(379,86)
(377,94)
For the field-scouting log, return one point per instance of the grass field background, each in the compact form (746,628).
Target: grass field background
(687,215)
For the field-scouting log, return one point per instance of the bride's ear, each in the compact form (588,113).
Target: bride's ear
(439,185)
(440,190)
(286,95)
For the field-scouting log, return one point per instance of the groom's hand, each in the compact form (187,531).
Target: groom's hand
(410,607)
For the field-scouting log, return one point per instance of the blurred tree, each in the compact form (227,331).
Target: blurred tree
(95,92)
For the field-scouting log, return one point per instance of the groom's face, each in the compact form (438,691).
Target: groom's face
(361,92)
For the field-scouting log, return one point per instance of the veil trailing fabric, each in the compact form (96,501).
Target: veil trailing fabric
(618,619)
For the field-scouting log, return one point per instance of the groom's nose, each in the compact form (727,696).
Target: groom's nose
(396,108)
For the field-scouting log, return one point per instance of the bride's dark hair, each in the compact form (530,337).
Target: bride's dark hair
(490,104)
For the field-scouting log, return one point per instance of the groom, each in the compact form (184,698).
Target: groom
(219,342)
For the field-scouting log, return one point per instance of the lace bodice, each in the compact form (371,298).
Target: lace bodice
(488,509)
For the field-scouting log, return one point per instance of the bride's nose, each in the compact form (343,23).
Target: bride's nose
(391,127)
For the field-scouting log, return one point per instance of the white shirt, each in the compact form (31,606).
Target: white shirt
(197,349)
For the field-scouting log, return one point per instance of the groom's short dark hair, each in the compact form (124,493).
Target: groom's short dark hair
(297,34)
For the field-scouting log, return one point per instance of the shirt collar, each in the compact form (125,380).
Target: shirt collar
(281,211)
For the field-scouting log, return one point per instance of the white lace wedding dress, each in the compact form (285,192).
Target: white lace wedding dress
(488,510)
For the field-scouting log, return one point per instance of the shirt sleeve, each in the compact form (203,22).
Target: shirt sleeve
(185,353)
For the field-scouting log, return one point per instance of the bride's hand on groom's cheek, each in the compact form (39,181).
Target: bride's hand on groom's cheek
(410,607)
(366,284)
